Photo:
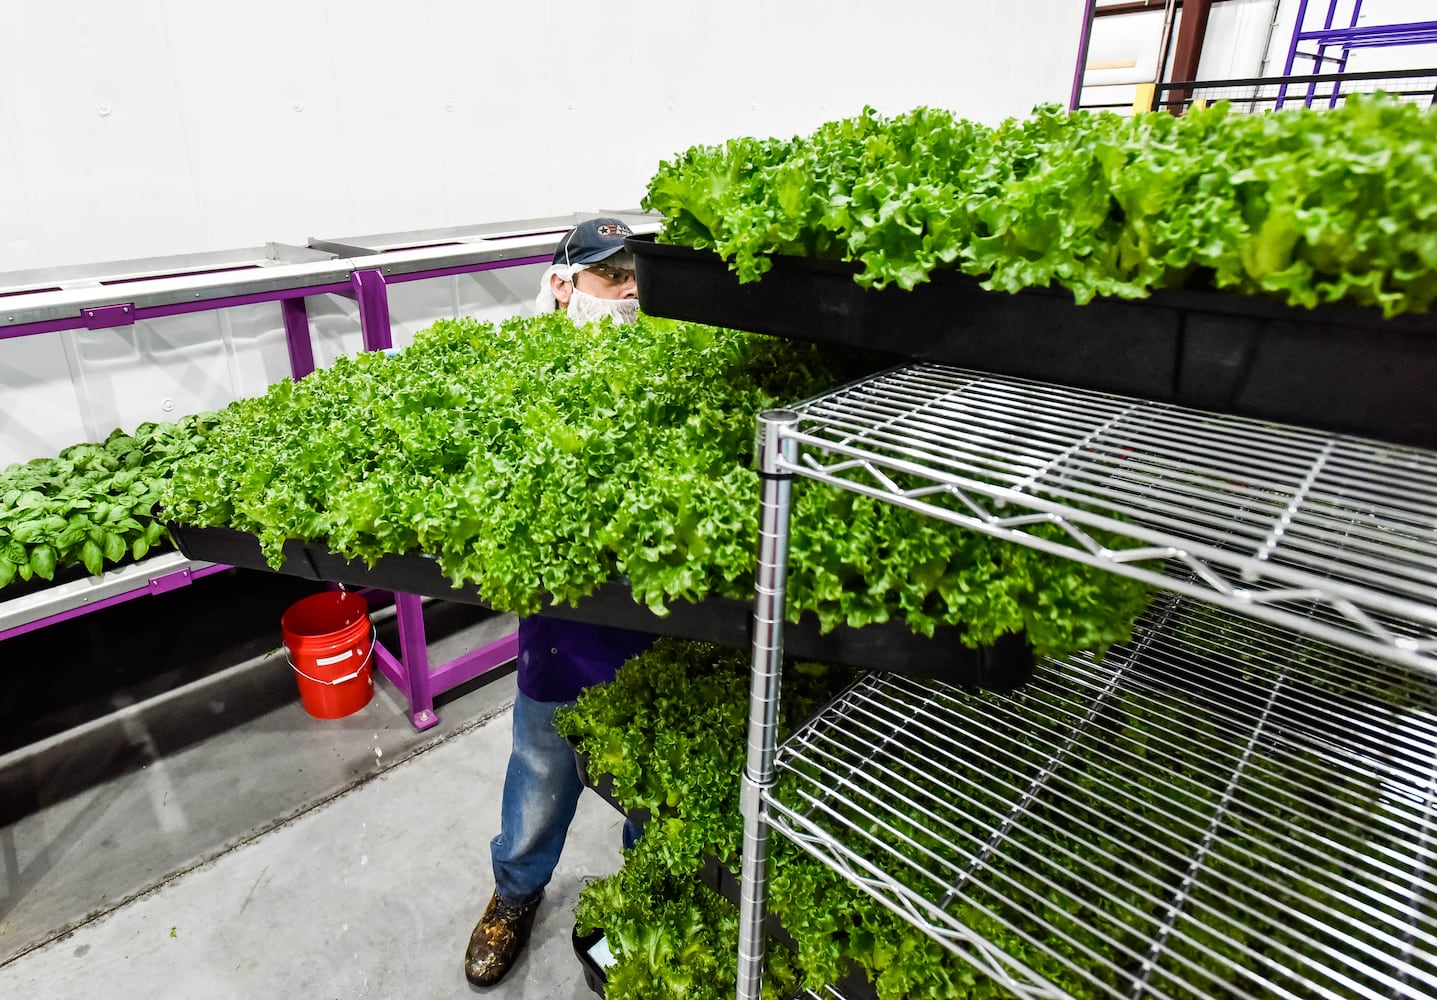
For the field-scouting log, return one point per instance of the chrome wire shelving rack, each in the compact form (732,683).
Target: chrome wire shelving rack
(1210,810)
(1269,520)
(1239,802)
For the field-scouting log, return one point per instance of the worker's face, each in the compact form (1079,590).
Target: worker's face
(599,280)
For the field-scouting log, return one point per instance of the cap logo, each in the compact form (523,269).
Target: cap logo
(610,229)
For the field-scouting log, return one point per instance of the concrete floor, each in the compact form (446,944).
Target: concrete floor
(215,841)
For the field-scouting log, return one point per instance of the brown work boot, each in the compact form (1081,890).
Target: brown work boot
(499,936)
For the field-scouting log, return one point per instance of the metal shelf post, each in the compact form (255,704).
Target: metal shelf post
(774,451)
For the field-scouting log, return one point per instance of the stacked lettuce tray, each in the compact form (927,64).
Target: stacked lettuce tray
(1337,368)
(1279,266)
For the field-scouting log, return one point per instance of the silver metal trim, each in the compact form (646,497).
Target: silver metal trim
(64,597)
(168,291)
(46,295)
(91,275)
(557,225)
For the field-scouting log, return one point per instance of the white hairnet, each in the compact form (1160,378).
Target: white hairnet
(545,301)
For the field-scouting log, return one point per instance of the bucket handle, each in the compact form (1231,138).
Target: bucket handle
(373,637)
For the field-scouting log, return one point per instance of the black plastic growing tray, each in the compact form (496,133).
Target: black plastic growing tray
(1344,369)
(889,646)
(594,976)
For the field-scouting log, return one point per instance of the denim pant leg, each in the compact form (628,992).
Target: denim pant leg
(541,791)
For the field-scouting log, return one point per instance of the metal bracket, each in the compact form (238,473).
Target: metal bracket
(108,317)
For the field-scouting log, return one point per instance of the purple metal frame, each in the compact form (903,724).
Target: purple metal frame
(409,672)
(126,314)
(296,337)
(1084,37)
(373,298)
(1347,39)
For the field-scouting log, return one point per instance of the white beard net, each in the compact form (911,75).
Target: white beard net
(583,307)
(586,308)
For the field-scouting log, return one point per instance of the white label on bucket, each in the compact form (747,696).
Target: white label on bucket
(324,661)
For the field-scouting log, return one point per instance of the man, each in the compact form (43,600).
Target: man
(592,276)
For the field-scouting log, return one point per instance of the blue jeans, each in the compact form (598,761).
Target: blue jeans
(541,791)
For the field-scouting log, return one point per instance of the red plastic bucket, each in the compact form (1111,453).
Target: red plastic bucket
(330,642)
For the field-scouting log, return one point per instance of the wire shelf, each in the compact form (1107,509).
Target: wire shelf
(1220,807)
(1335,536)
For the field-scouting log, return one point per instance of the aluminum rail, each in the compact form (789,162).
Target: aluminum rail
(1219,807)
(78,303)
(98,296)
(124,271)
(554,225)
(155,575)
(1330,535)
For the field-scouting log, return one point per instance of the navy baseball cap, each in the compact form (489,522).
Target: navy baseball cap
(591,241)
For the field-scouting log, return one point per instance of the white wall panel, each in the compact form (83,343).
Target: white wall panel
(39,404)
(494,296)
(17,232)
(261,120)
(258,350)
(497,68)
(158,369)
(1122,51)
(162,127)
(98,145)
(230,126)
(1237,33)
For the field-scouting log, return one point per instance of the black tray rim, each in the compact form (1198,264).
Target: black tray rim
(1185,299)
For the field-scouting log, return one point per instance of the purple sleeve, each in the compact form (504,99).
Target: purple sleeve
(558,659)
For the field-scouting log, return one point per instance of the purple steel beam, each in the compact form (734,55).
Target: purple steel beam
(1342,62)
(373,298)
(351,289)
(225,302)
(1085,35)
(159,585)
(480,661)
(1291,52)
(296,336)
(457,671)
(1378,33)
(109,317)
(79,322)
(414,651)
(45,326)
(391,667)
(1322,46)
